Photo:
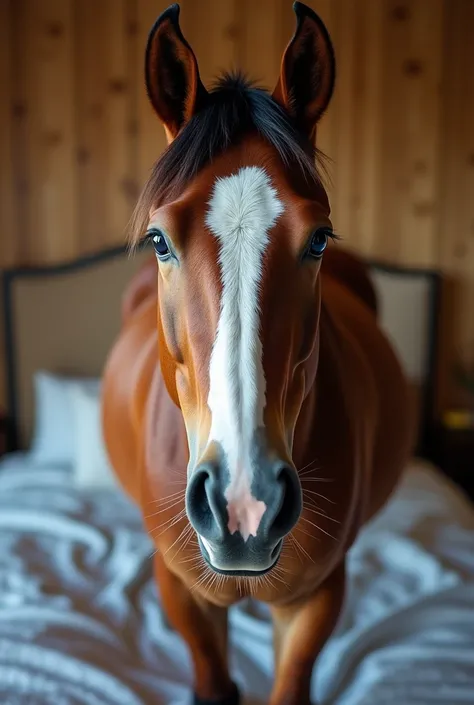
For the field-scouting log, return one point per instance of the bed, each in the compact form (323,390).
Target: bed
(80,618)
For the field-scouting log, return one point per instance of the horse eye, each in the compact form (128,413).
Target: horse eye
(318,242)
(159,244)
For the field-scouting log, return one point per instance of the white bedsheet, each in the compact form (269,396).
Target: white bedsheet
(80,622)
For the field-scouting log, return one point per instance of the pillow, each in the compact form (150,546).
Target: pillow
(53,437)
(92,468)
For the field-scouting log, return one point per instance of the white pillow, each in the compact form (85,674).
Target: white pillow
(92,468)
(53,437)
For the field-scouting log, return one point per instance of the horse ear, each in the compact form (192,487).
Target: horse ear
(171,73)
(308,70)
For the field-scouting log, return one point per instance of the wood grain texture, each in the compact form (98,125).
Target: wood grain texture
(326,131)
(24,107)
(90,22)
(78,136)
(8,211)
(48,65)
(152,139)
(259,20)
(120,186)
(340,119)
(214,29)
(369,18)
(422,74)
(455,241)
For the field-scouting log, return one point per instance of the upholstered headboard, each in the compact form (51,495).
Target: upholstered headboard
(409,310)
(65,318)
(62,319)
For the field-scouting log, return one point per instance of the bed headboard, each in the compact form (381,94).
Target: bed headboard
(65,318)
(62,319)
(409,312)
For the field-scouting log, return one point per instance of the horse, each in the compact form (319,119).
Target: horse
(252,408)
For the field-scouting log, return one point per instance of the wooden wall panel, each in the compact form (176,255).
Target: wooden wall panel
(422,71)
(106,120)
(394,179)
(90,22)
(8,213)
(47,83)
(260,20)
(208,19)
(455,242)
(364,233)
(78,137)
(151,140)
(24,110)
(336,135)
(120,187)
(325,9)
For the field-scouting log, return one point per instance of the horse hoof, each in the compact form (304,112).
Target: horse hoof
(231,699)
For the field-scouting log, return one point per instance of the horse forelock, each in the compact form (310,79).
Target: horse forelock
(235,110)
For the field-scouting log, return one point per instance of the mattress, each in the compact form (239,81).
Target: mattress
(80,618)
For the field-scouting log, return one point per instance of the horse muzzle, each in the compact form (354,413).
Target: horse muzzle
(241,528)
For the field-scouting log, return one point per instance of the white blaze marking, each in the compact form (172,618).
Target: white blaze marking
(242,209)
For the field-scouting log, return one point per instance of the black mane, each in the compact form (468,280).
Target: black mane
(235,108)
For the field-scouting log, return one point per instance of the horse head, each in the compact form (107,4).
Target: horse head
(239,220)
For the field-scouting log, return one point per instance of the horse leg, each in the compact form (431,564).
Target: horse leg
(301,631)
(203,626)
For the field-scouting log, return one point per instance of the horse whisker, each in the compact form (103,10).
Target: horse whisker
(296,546)
(318,479)
(170,522)
(319,528)
(173,495)
(269,581)
(221,582)
(213,581)
(208,582)
(191,559)
(164,509)
(307,465)
(306,533)
(312,501)
(184,534)
(311,471)
(321,514)
(278,577)
(188,540)
(203,577)
(321,496)
(301,548)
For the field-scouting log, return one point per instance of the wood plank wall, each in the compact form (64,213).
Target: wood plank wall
(77,136)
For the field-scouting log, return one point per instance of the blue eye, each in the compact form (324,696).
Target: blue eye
(159,243)
(319,242)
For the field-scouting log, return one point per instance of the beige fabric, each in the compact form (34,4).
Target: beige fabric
(404,311)
(404,303)
(66,323)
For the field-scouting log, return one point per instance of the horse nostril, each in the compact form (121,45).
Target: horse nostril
(196,498)
(290,507)
(275,551)
(205,511)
